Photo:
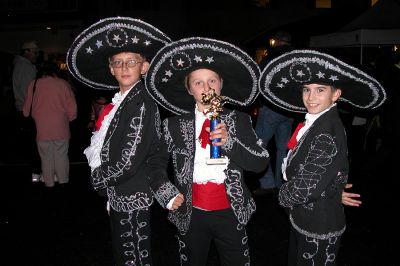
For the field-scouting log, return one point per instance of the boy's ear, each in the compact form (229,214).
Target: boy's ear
(111,70)
(145,67)
(336,95)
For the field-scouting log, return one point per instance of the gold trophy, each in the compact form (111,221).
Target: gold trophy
(214,100)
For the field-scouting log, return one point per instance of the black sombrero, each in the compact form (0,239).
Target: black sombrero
(282,79)
(170,66)
(87,58)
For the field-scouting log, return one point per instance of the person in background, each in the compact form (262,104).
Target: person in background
(218,204)
(53,108)
(280,43)
(97,106)
(111,54)
(389,127)
(316,167)
(273,122)
(24,71)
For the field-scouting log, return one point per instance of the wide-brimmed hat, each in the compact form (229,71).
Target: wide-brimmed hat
(87,58)
(30,45)
(170,66)
(282,80)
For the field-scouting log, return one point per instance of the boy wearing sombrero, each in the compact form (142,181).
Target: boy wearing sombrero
(316,167)
(113,54)
(217,204)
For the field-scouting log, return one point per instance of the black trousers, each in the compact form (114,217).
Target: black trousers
(130,233)
(304,250)
(220,226)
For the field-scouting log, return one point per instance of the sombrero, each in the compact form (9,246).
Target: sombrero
(282,79)
(87,58)
(166,74)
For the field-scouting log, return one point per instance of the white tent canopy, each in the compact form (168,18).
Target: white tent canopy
(359,37)
(379,25)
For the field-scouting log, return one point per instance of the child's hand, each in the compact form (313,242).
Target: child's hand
(219,132)
(349,198)
(177,202)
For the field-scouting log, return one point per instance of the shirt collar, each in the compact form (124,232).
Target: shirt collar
(200,114)
(310,118)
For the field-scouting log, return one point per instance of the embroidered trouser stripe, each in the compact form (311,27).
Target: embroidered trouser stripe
(130,233)
(220,226)
(304,250)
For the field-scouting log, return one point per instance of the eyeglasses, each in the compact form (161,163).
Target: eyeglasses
(129,64)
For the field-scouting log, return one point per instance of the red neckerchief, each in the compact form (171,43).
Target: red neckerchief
(293,141)
(204,136)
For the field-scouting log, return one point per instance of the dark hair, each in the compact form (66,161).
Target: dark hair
(49,68)
(283,36)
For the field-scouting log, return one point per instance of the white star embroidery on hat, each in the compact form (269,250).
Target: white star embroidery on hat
(164,80)
(210,59)
(320,74)
(333,78)
(99,44)
(135,39)
(284,80)
(197,59)
(180,62)
(168,73)
(300,73)
(280,85)
(89,50)
(147,43)
(116,38)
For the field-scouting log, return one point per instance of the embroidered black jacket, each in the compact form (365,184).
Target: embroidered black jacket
(317,170)
(132,138)
(243,150)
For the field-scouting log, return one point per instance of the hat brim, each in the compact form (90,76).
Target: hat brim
(282,79)
(166,74)
(87,58)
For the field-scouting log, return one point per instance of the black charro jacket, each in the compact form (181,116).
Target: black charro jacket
(243,149)
(132,138)
(317,170)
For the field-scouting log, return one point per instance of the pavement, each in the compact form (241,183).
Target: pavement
(68,226)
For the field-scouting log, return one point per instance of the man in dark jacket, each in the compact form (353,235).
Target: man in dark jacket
(272,122)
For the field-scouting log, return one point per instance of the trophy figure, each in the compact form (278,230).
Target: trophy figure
(214,101)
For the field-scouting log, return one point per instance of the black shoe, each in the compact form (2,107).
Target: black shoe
(264,191)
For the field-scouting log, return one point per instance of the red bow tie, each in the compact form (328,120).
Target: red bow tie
(293,141)
(204,136)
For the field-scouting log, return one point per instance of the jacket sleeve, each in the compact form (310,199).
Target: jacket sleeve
(162,188)
(319,168)
(243,145)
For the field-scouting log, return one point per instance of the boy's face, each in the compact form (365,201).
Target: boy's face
(202,81)
(127,68)
(317,97)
